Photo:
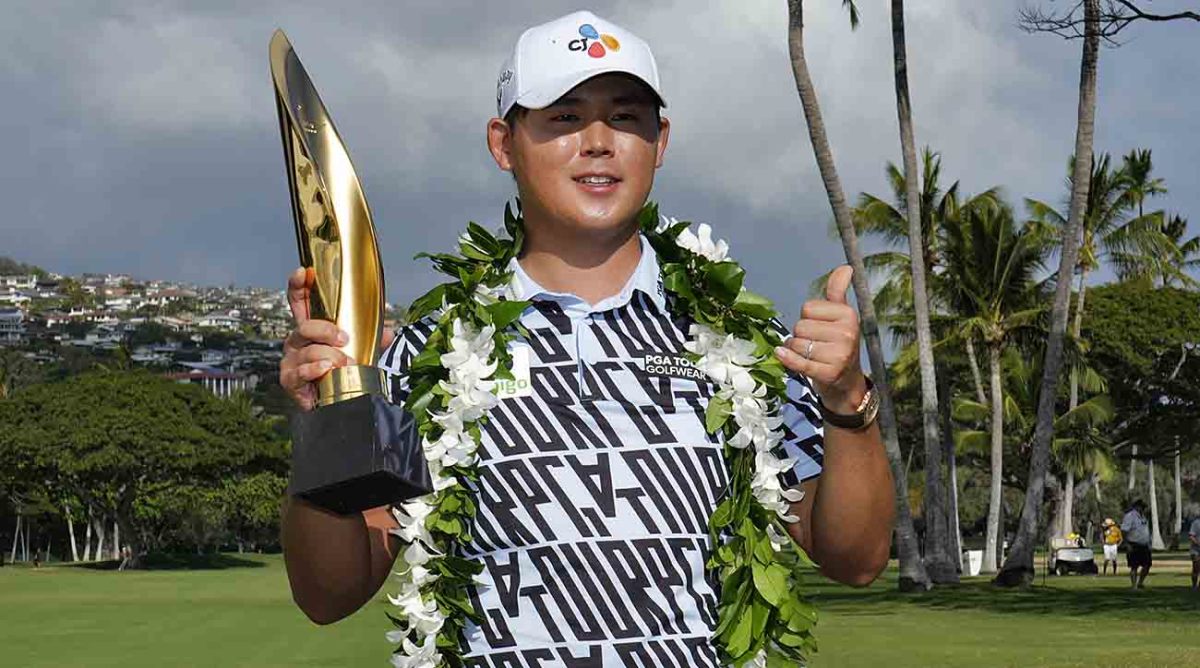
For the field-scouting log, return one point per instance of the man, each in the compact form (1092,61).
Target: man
(1112,540)
(1137,534)
(1194,549)
(596,488)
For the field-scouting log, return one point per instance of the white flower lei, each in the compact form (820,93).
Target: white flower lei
(466,391)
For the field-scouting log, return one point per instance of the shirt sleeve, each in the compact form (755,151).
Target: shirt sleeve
(804,436)
(396,360)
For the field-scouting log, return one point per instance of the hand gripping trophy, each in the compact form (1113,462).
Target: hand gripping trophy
(356,450)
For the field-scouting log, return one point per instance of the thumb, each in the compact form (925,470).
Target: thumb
(838,284)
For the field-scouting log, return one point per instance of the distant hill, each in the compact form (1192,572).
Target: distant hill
(9,266)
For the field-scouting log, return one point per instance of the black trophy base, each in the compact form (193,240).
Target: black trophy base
(357,454)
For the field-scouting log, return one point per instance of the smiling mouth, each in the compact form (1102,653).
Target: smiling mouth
(597,180)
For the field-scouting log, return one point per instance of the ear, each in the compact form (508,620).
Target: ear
(664,133)
(499,140)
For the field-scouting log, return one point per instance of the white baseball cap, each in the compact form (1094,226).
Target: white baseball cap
(552,58)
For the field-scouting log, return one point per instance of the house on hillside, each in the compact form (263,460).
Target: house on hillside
(12,327)
(218,381)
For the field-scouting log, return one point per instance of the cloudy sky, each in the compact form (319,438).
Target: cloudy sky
(141,137)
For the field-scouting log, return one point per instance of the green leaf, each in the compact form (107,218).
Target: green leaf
(483,239)
(428,358)
(716,414)
(427,303)
(723,280)
(675,280)
(505,312)
(722,516)
(754,305)
(771,581)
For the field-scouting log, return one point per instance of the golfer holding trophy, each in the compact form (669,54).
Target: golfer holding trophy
(587,401)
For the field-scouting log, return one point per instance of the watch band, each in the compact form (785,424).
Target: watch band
(861,418)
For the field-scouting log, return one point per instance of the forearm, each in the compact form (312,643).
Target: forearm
(854,510)
(333,561)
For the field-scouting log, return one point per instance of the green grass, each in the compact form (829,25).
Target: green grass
(237,612)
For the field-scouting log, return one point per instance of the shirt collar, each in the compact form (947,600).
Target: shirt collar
(646,278)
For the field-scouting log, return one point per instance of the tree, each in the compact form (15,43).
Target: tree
(894,300)
(1117,229)
(991,265)
(912,571)
(114,440)
(941,566)
(1084,19)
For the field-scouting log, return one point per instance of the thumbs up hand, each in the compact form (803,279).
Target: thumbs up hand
(824,346)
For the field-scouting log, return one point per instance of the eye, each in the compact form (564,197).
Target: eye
(565,118)
(625,116)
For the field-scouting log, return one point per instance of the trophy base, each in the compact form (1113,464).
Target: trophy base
(357,454)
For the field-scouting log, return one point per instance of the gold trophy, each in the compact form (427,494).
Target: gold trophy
(356,449)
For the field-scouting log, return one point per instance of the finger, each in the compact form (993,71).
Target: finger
(312,371)
(317,352)
(298,286)
(813,369)
(323,332)
(839,284)
(826,332)
(820,309)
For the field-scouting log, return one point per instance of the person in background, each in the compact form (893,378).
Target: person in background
(1137,535)
(1112,540)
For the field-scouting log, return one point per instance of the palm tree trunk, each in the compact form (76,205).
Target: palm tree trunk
(912,571)
(16,538)
(952,467)
(937,535)
(990,553)
(1018,568)
(87,537)
(1069,505)
(99,524)
(980,394)
(1156,541)
(71,531)
(1177,528)
(1067,521)
(1132,466)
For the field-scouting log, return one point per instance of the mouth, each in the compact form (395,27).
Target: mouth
(597,182)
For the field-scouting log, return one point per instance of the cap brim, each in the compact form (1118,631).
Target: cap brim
(545,95)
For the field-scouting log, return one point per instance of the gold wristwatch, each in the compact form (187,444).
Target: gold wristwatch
(861,418)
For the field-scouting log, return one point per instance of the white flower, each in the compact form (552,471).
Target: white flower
(413,656)
(778,540)
(411,515)
(703,243)
(422,615)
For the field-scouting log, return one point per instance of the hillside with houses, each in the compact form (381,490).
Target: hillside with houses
(227,339)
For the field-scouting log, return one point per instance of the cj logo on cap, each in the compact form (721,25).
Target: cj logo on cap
(597,41)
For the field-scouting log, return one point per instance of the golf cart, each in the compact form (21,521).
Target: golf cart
(1071,555)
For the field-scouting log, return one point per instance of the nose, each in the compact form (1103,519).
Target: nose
(597,140)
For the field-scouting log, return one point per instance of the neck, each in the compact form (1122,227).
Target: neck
(591,264)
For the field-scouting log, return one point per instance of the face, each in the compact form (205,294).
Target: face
(586,162)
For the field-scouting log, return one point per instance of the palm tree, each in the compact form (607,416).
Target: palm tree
(942,568)
(894,302)
(1117,229)
(912,570)
(1094,24)
(991,265)
(1186,258)
(1080,447)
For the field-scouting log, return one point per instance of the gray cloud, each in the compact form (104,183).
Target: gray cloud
(144,139)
